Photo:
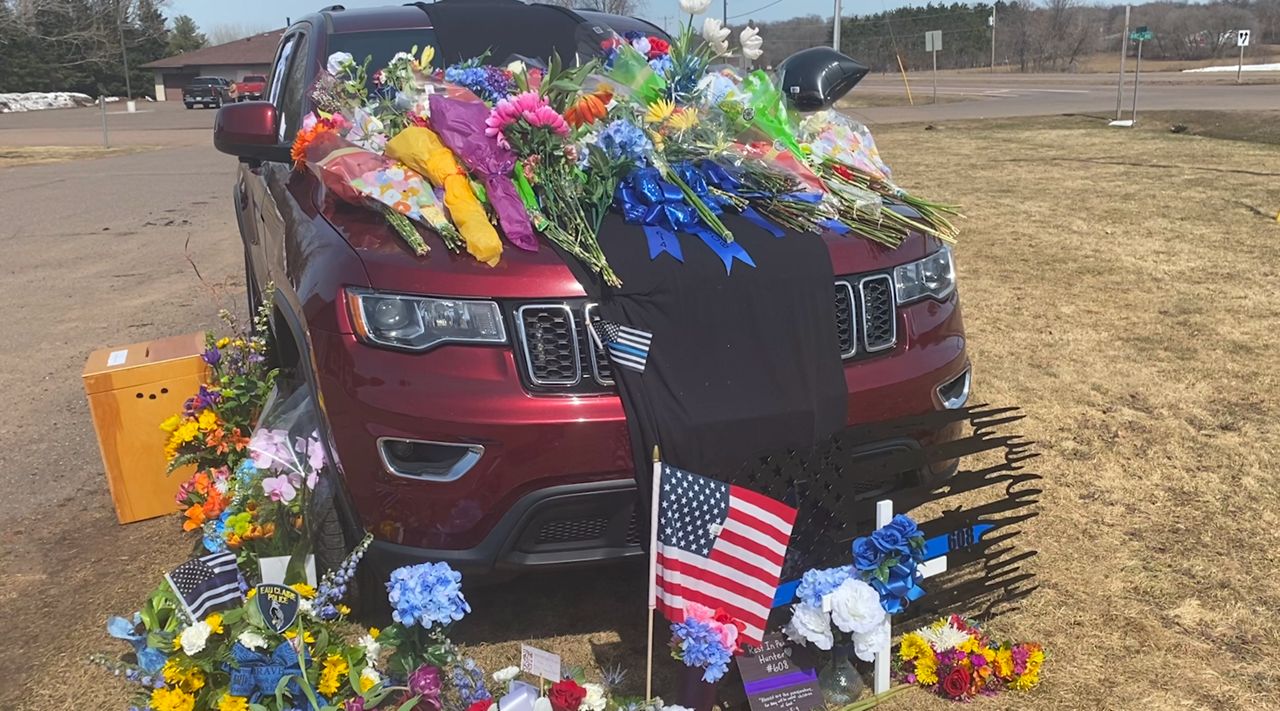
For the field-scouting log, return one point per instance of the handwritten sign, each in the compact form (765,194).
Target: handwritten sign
(780,677)
(539,662)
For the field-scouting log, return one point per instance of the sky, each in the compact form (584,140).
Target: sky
(265,14)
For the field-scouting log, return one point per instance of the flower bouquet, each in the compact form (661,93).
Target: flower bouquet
(957,660)
(706,639)
(835,596)
(887,559)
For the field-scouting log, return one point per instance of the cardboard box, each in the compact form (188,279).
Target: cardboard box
(131,390)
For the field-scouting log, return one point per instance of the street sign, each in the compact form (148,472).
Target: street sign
(1242,38)
(933,41)
(1142,34)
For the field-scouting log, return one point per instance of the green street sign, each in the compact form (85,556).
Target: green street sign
(1142,34)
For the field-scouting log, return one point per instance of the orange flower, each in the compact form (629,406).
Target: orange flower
(237,440)
(195,518)
(303,139)
(589,108)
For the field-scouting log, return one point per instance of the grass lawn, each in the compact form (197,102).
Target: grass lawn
(1121,287)
(11,156)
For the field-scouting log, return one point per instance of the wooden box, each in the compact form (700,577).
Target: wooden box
(131,390)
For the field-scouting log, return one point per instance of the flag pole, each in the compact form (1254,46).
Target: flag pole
(653,568)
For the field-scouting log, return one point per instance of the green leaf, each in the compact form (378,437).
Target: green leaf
(409,704)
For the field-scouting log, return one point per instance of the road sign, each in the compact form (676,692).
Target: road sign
(1242,38)
(1142,34)
(933,41)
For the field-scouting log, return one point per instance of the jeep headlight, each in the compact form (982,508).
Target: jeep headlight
(417,323)
(934,277)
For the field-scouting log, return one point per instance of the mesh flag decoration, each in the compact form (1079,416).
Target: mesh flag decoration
(206,583)
(627,347)
(718,545)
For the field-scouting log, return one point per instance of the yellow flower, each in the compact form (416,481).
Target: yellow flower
(208,420)
(684,119)
(374,632)
(222,342)
(659,111)
(335,668)
(927,669)
(190,680)
(215,622)
(343,610)
(1004,663)
(304,590)
(188,431)
(233,703)
(171,423)
(913,646)
(172,700)
(308,637)
(249,595)
(368,679)
(428,56)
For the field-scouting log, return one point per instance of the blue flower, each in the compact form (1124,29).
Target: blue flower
(700,645)
(866,556)
(890,540)
(623,140)
(211,355)
(904,525)
(662,65)
(429,594)
(817,583)
(214,531)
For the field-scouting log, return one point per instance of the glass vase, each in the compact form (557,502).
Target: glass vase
(840,682)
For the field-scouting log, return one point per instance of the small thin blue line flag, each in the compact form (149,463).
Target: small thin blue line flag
(627,347)
(206,583)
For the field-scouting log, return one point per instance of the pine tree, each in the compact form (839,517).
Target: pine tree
(148,41)
(185,36)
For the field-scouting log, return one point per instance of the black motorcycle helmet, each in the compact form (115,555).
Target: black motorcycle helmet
(815,78)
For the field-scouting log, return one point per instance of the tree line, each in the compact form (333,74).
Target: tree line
(83,45)
(1049,35)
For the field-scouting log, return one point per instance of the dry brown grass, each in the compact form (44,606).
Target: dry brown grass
(11,156)
(1120,286)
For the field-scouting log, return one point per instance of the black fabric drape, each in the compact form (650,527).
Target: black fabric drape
(740,364)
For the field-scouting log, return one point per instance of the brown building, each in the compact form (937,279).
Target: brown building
(233,60)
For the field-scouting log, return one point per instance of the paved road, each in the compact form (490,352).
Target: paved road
(974,96)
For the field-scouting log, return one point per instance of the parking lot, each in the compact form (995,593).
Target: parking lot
(1116,286)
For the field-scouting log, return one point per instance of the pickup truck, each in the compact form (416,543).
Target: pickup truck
(208,92)
(500,444)
(251,87)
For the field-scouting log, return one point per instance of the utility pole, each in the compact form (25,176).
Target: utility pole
(1137,73)
(835,30)
(724,13)
(1124,50)
(124,51)
(992,22)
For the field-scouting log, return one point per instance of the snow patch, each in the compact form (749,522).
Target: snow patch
(1273,67)
(39,100)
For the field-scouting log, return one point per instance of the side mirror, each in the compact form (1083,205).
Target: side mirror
(249,131)
(815,78)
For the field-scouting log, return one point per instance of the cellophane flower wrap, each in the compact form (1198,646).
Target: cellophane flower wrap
(361,176)
(957,660)
(461,126)
(421,149)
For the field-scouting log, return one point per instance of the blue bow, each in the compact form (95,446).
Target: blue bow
(902,588)
(150,659)
(254,674)
(644,198)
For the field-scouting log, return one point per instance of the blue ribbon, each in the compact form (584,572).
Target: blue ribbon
(902,588)
(254,674)
(727,251)
(644,198)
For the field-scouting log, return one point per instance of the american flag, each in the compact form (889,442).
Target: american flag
(718,545)
(206,583)
(627,346)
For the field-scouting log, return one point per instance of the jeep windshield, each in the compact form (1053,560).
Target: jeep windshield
(380,45)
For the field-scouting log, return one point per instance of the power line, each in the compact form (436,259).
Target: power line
(758,9)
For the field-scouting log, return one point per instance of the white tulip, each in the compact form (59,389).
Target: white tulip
(506,674)
(694,7)
(751,43)
(595,699)
(716,35)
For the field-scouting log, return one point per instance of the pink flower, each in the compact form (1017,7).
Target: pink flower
(279,488)
(530,108)
(701,613)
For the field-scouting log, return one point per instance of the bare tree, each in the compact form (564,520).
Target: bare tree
(232,31)
(613,7)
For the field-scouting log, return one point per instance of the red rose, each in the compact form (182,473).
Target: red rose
(566,695)
(956,683)
(481,705)
(658,47)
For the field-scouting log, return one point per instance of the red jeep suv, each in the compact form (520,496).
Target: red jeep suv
(481,426)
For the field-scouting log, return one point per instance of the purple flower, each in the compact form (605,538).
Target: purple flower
(269,449)
(356,704)
(425,684)
(279,488)
(211,355)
